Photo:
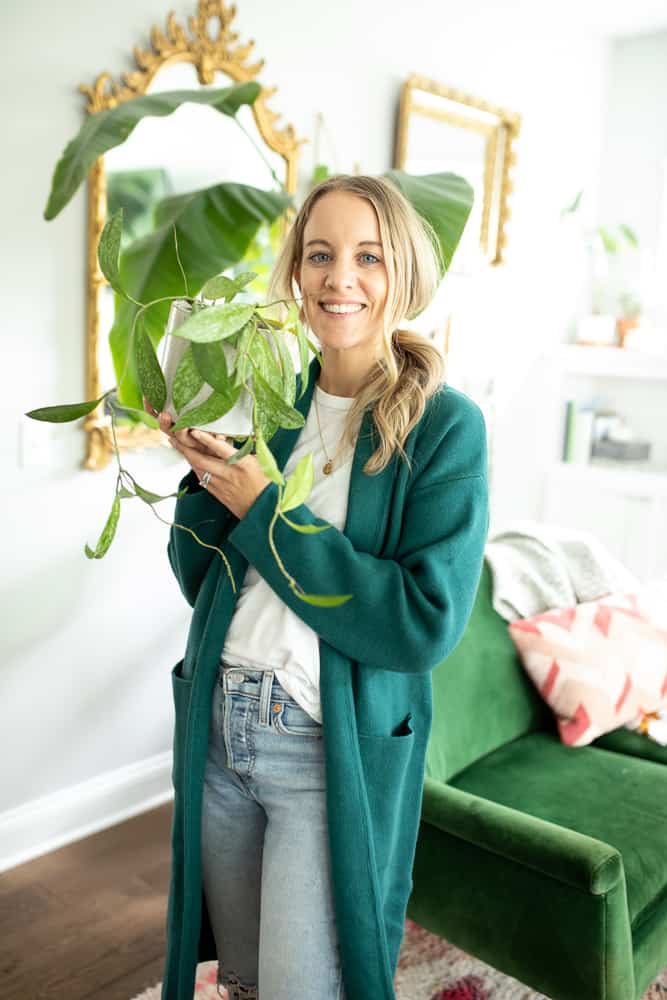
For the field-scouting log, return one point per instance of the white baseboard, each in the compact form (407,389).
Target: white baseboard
(52,821)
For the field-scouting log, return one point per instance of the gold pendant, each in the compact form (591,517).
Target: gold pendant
(327,468)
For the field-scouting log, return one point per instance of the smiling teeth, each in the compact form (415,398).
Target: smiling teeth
(341,309)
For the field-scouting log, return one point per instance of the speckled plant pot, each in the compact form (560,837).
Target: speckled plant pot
(237,422)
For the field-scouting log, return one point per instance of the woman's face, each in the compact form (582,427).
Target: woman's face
(343,262)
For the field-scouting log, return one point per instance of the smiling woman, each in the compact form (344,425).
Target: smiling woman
(301,731)
(359,242)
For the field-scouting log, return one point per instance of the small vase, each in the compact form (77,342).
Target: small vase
(237,422)
(624,325)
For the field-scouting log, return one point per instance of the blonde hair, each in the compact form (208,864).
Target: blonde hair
(410,369)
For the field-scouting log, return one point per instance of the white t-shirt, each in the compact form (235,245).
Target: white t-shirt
(264,633)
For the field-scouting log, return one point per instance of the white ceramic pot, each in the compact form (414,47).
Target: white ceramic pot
(237,422)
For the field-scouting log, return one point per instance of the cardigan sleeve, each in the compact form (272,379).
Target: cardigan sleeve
(407,613)
(206,516)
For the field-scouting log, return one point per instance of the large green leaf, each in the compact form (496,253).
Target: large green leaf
(109,128)
(214,228)
(444,199)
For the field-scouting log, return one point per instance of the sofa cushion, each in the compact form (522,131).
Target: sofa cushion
(598,664)
(617,799)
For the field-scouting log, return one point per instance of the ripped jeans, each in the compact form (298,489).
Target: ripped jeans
(265,861)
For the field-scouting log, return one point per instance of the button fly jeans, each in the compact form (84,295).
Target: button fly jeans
(265,859)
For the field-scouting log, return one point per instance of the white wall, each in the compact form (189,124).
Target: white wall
(634,161)
(88,646)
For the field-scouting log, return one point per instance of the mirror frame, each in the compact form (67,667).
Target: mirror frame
(209,53)
(500,136)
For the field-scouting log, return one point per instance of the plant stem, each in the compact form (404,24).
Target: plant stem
(206,545)
(280,184)
(294,585)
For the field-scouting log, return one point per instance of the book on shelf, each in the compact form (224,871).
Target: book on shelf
(578,439)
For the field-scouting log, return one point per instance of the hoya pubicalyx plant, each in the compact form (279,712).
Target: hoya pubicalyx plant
(267,376)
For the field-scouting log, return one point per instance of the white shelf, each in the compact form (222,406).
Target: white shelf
(578,359)
(632,478)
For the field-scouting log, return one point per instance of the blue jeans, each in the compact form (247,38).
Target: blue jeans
(265,858)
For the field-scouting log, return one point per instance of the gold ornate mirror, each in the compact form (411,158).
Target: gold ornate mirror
(182,152)
(442,129)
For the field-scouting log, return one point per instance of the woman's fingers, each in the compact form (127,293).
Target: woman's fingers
(183,437)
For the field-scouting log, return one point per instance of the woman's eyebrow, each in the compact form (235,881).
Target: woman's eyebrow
(361,243)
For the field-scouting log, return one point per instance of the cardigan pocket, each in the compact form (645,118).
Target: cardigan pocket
(181,691)
(385,761)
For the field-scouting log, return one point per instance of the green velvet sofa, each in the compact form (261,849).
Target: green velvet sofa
(547,862)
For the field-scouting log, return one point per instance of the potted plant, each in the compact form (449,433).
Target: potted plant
(235,363)
(631,309)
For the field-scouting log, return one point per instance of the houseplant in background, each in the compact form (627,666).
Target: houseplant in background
(631,310)
(197,235)
(605,246)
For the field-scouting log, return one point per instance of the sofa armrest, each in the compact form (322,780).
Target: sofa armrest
(557,851)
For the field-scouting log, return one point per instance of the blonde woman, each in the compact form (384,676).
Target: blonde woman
(301,731)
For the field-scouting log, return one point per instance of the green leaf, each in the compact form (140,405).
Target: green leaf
(108,250)
(111,127)
(214,227)
(211,363)
(220,287)
(151,379)
(216,322)
(243,366)
(241,452)
(320,173)
(263,358)
(444,199)
(609,242)
(303,356)
(273,405)
(268,462)
(630,235)
(214,407)
(288,389)
(325,600)
(299,484)
(149,497)
(125,494)
(574,207)
(143,417)
(108,532)
(305,529)
(188,380)
(246,277)
(67,411)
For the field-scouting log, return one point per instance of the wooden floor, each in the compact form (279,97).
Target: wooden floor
(88,920)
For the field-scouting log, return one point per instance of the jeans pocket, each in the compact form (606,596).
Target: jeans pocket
(292,720)
(181,692)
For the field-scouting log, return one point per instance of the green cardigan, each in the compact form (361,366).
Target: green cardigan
(411,553)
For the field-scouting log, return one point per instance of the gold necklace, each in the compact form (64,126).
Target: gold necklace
(328,465)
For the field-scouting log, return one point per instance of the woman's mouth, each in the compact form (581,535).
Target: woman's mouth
(342,312)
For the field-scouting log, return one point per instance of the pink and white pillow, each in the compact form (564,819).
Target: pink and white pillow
(600,664)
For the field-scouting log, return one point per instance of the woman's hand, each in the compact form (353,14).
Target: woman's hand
(236,486)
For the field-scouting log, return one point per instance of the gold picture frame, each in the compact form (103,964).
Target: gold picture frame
(210,48)
(499,129)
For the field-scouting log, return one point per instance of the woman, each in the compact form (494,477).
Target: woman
(301,731)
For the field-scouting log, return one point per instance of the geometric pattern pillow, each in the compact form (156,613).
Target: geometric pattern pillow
(599,664)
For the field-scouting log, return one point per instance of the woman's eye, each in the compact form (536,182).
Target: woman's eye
(322,253)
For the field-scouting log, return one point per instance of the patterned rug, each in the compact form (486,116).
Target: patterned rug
(430,968)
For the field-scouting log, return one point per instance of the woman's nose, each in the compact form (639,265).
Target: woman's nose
(340,275)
